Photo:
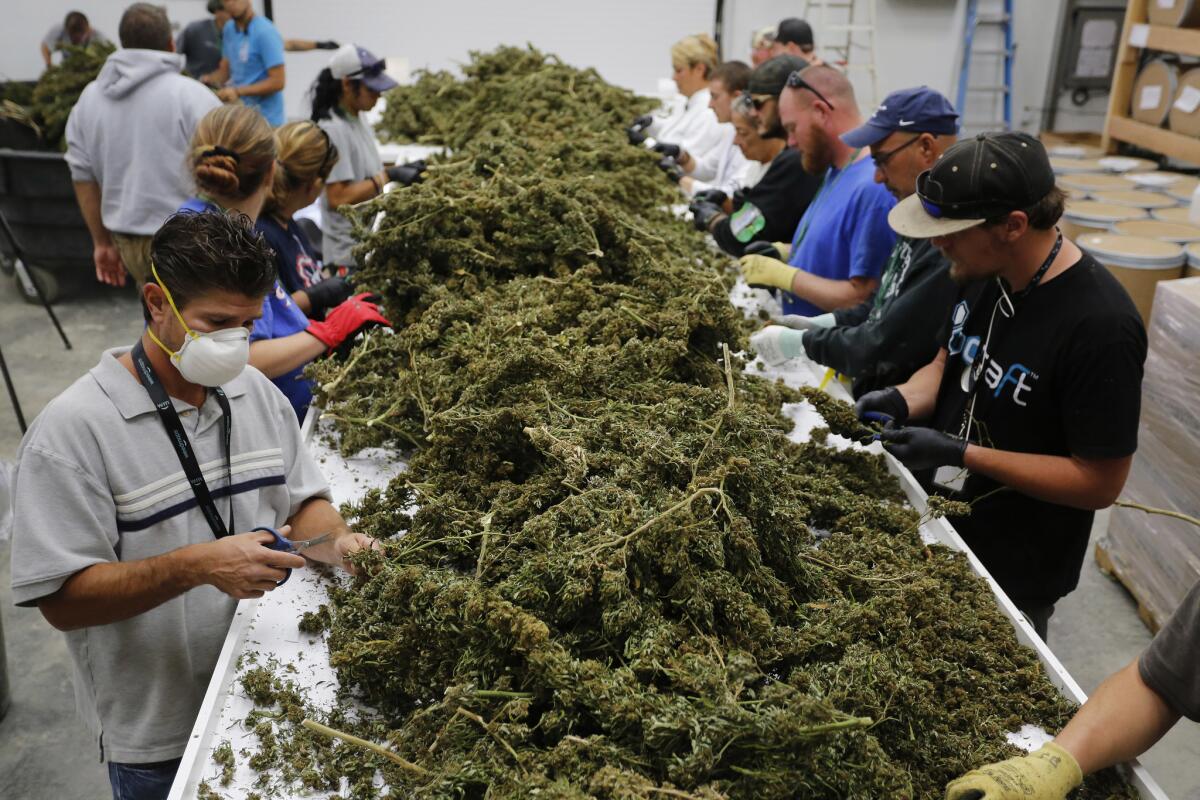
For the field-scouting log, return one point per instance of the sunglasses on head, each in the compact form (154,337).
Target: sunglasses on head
(929,192)
(796,81)
(370,70)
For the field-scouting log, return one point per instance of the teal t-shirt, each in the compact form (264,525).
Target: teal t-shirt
(250,54)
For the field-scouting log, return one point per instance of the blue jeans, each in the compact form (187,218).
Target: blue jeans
(142,781)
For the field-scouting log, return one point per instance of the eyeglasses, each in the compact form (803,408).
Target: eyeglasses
(743,103)
(881,159)
(759,100)
(795,81)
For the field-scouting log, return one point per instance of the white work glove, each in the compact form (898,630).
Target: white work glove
(776,344)
(801,323)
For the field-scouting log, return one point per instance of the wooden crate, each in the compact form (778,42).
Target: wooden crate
(1106,564)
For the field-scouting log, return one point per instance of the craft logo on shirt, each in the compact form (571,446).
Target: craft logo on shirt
(244,51)
(977,363)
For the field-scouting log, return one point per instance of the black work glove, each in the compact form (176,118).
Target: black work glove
(924,448)
(882,405)
(668,165)
(326,44)
(762,249)
(326,294)
(636,136)
(668,149)
(714,196)
(642,122)
(739,199)
(407,174)
(704,213)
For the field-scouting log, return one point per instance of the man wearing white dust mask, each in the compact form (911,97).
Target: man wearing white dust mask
(143,493)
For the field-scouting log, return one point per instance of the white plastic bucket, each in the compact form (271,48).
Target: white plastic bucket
(1137,263)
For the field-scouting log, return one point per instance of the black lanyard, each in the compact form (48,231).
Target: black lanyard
(984,354)
(183,446)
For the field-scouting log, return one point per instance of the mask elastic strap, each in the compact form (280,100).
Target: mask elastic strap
(171,300)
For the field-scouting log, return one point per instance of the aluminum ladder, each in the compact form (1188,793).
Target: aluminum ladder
(856,51)
(996,25)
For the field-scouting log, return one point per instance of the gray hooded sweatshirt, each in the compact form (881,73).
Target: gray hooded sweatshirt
(131,131)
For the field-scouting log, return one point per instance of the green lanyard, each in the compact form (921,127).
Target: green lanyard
(812,207)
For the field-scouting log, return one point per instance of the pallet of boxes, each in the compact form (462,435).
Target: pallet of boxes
(1157,556)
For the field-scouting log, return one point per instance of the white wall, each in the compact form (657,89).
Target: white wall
(918,41)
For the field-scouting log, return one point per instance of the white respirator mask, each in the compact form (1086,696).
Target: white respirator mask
(206,359)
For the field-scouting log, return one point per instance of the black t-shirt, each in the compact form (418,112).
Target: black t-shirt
(1061,377)
(883,341)
(770,209)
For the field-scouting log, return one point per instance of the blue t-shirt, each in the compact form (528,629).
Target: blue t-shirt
(845,231)
(197,206)
(281,317)
(298,265)
(250,55)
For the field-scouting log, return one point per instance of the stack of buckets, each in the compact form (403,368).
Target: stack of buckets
(1131,218)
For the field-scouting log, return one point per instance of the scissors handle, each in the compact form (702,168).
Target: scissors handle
(877,416)
(283,545)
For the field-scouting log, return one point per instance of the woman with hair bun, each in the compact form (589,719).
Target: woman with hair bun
(234,166)
(232,161)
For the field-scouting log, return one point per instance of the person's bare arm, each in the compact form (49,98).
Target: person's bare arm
(302,301)
(46,54)
(317,517)
(102,594)
(1121,720)
(1066,480)
(218,76)
(343,193)
(109,268)
(830,295)
(299,45)
(274,82)
(921,390)
(275,357)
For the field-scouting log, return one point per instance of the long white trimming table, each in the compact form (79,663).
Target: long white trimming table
(268,626)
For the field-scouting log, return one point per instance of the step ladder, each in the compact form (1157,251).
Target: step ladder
(986,104)
(845,31)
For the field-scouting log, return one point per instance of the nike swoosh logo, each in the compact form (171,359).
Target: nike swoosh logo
(904,123)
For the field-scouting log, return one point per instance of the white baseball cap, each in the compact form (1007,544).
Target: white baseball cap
(358,63)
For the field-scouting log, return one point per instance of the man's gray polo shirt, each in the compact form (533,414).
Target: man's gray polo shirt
(98,481)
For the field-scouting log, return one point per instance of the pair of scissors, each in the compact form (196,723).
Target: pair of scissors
(886,420)
(285,545)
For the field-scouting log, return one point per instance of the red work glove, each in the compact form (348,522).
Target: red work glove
(347,319)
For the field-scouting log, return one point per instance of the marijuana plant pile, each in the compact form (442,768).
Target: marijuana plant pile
(46,109)
(618,577)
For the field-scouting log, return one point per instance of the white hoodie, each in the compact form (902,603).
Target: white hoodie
(692,125)
(130,132)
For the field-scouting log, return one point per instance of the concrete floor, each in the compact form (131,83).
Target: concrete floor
(45,756)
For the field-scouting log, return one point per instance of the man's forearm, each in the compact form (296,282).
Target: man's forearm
(921,390)
(274,82)
(1065,480)
(1121,720)
(316,518)
(829,295)
(105,593)
(87,194)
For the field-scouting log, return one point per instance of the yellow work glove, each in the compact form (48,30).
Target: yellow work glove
(1046,774)
(784,248)
(767,272)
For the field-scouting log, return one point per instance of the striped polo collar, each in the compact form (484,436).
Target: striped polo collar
(128,395)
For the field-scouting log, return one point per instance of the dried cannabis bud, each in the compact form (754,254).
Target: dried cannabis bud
(610,583)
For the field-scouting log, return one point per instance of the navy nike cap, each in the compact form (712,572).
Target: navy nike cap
(920,110)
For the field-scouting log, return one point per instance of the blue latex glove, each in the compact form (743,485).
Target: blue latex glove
(924,448)
(776,344)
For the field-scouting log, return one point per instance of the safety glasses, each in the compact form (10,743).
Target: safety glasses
(796,81)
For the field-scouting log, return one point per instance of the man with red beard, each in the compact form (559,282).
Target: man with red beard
(843,240)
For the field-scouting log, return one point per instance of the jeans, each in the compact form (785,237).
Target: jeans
(142,781)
